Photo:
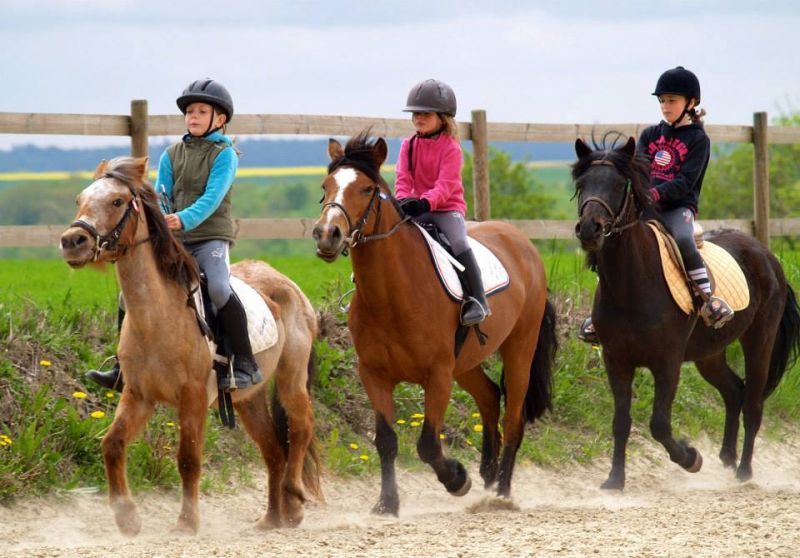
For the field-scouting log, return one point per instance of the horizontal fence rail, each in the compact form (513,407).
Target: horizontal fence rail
(140,125)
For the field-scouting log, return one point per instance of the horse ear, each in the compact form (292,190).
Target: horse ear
(629,148)
(380,151)
(335,149)
(581,149)
(100,170)
(140,166)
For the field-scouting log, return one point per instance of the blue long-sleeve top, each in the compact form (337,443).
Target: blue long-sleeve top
(220,180)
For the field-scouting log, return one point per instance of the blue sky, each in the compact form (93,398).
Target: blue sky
(535,61)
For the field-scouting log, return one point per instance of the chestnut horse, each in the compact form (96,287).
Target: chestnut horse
(403,323)
(165,357)
(638,323)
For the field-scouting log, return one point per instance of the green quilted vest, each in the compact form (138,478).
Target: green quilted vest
(191,164)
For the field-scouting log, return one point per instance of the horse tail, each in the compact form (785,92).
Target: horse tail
(786,348)
(540,387)
(312,464)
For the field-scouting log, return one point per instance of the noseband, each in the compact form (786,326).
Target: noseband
(612,228)
(110,241)
(355,234)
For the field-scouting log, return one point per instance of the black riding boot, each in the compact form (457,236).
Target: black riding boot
(234,325)
(475,308)
(111,379)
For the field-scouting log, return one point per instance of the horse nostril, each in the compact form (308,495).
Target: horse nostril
(316,233)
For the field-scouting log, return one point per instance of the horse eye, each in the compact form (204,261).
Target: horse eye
(117,202)
(368,189)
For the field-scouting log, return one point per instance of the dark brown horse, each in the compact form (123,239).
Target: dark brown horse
(638,323)
(165,357)
(403,323)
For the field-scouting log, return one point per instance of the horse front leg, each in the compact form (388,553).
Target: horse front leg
(666,379)
(757,351)
(129,420)
(620,379)
(487,397)
(450,472)
(192,419)
(380,395)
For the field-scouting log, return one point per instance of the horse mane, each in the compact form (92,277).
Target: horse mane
(636,168)
(172,259)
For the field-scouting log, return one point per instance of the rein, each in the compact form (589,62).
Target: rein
(355,234)
(614,227)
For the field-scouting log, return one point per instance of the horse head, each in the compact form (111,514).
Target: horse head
(611,190)
(353,192)
(103,228)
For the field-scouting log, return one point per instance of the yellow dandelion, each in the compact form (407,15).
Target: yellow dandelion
(414,423)
(97,414)
(476,415)
(401,421)
(111,394)
(170,423)
(5,440)
(478,428)
(45,363)
(354,446)
(417,415)
(441,436)
(364,457)
(79,395)
(469,442)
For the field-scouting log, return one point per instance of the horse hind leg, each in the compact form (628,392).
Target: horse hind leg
(258,424)
(716,372)
(487,397)
(757,351)
(129,421)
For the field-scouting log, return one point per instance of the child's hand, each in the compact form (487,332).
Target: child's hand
(173,222)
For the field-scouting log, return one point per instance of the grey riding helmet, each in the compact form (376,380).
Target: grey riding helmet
(679,81)
(207,91)
(431,95)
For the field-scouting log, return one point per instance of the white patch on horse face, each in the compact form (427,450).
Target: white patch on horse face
(95,197)
(344,178)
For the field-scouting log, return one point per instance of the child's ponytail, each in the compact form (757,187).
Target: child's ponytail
(696,115)
(449,125)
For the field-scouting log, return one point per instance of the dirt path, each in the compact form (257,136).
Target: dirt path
(663,512)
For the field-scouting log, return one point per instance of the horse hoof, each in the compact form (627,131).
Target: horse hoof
(744,474)
(183,528)
(464,488)
(697,464)
(385,509)
(128,521)
(267,523)
(613,483)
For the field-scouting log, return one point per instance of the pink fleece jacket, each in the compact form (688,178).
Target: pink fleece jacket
(436,174)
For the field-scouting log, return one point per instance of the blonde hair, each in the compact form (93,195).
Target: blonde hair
(449,125)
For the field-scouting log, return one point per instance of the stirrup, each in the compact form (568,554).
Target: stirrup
(587,333)
(716,312)
(485,312)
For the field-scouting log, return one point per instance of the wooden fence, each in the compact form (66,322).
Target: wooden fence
(139,126)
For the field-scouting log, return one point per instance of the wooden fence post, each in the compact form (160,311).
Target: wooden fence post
(139,146)
(480,165)
(761,178)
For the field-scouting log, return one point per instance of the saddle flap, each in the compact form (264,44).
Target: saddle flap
(494,275)
(729,280)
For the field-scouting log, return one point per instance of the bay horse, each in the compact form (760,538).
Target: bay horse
(403,323)
(639,325)
(165,357)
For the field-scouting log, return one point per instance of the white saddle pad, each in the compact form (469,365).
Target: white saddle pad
(261,326)
(494,275)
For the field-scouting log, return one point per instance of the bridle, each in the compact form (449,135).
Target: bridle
(355,234)
(110,242)
(613,227)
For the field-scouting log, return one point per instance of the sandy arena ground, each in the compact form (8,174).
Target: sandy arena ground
(663,512)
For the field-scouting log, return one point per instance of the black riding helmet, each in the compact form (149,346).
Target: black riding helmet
(679,81)
(207,91)
(431,95)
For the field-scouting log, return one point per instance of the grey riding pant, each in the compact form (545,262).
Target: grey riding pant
(452,224)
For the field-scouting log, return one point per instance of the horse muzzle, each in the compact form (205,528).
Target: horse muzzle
(330,241)
(77,247)
(591,231)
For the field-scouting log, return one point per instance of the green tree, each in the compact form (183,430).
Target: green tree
(514,191)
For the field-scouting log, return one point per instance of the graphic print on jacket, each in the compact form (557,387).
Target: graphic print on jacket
(667,156)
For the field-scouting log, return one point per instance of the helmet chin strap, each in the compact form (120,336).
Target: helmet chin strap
(683,114)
